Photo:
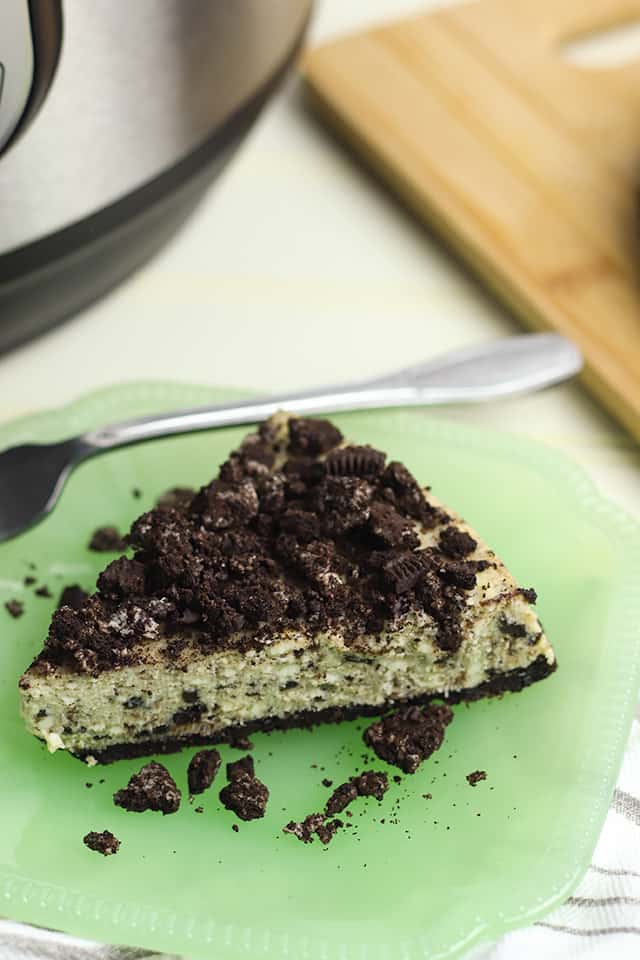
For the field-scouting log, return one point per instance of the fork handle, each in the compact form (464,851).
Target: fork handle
(499,368)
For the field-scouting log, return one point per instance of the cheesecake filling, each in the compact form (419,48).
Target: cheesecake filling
(204,695)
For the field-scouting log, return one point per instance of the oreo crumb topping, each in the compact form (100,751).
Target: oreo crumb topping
(367,784)
(72,596)
(15,608)
(153,788)
(409,736)
(529,594)
(245,795)
(107,540)
(202,769)
(455,543)
(329,538)
(314,823)
(104,843)
(476,777)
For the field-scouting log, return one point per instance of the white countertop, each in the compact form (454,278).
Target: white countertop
(299,267)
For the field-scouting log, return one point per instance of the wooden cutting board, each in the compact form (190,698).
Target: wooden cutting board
(528,165)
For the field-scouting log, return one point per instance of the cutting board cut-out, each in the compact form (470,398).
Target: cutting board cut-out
(526,163)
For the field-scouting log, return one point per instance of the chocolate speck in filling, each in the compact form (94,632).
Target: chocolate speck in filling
(153,788)
(455,543)
(15,608)
(511,629)
(104,843)
(72,596)
(202,769)
(327,540)
(409,736)
(107,540)
(476,777)
(245,795)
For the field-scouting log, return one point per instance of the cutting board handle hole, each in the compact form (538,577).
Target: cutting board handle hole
(610,46)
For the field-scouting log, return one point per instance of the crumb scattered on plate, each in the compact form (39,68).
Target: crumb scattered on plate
(104,843)
(152,788)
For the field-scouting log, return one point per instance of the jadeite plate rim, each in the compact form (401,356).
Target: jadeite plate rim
(44,902)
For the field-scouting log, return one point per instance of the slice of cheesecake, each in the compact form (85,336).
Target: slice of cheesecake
(310,581)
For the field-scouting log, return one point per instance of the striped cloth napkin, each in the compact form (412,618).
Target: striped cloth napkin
(600,921)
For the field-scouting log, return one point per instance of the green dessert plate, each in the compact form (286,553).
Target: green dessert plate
(437,865)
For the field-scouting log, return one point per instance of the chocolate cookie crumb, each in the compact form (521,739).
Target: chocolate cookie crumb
(456,543)
(237,767)
(341,797)
(529,594)
(327,831)
(235,827)
(198,810)
(476,777)
(326,782)
(15,608)
(245,795)
(43,591)
(136,493)
(371,783)
(153,788)
(104,843)
(107,540)
(88,785)
(202,769)
(409,736)
(72,596)
(29,581)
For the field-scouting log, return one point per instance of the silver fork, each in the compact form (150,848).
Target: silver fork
(32,475)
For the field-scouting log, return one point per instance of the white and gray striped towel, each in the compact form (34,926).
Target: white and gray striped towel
(600,921)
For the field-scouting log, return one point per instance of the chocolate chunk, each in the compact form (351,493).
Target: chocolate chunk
(409,736)
(355,462)
(43,591)
(239,767)
(104,843)
(202,769)
(403,572)
(455,543)
(312,436)
(107,540)
(153,788)
(122,578)
(476,777)
(15,608)
(371,783)
(245,795)
(177,498)
(341,797)
(72,596)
